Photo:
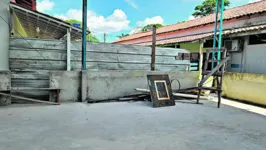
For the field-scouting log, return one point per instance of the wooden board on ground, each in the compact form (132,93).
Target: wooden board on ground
(29,99)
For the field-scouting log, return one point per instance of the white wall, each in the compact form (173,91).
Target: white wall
(4,35)
(253,59)
(256,59)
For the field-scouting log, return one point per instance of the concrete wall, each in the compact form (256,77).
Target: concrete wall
(110,85)
(255,59)
(250,60)
(102,85)
(5,84)
(245,87)
(4,36)
(69,82)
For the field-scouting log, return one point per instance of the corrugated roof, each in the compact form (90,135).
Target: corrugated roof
(236,12)
(50,27)
(205,35)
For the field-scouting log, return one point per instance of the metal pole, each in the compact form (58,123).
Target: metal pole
(84,34)
(215,32)
(153,54)
(221,31)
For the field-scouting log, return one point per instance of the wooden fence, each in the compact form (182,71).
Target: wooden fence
(32,59)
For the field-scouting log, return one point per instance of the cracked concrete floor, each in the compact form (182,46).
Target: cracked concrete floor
(128,126)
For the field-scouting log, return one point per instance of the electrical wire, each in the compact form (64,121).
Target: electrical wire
(27,42)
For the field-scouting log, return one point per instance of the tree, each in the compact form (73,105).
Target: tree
(150,26)
(207,7)
(89,37)
(123,35)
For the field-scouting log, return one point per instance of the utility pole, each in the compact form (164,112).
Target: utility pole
(84,34)
(153,53)
(104,37)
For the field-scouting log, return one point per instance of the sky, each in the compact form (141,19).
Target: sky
(115,17)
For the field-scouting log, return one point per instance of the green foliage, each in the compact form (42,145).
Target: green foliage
(123,35)
(207,7)
(72,21)
(89,37)
(149,27)
(92,38)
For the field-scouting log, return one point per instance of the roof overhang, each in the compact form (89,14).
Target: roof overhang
(44,26)
(237,32)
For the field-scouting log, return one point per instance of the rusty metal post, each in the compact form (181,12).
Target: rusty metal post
(153,53)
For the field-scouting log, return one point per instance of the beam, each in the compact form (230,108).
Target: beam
(29,99)
(214,70)
(69,49)
(84,35)
(153,53)
(43,16)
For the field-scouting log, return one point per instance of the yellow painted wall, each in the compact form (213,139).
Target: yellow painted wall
(192,47)
(19,30)
(246,87)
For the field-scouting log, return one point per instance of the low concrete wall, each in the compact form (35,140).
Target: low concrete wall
(5,84)
(246,87)
(113,84)
(102,85)
(68,82)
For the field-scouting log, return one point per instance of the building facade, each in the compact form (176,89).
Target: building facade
(244,25)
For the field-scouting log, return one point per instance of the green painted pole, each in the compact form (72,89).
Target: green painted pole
(221,30)
(84,34)
(215,32)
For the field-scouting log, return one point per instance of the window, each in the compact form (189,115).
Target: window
(257,39)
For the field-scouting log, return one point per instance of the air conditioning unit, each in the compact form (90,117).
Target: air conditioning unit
(233,45)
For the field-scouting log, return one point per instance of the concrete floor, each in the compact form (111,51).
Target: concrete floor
(128,126)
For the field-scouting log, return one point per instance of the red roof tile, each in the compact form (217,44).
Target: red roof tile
(204,35)
(248,9)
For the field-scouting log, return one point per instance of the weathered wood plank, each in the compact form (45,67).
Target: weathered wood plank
(29,99)
(111,66)
(36,49)
(30,83)
(40,55)
(37,43)
(37,64)
(33,75)
(125,58)
(126,49)
(42,95)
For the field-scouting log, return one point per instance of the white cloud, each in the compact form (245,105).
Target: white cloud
(191,17)
(147,21)
(98,24)
(153,20)
(45,5)
(132,3)
(135,30)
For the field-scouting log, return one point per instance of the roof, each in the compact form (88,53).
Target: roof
(248,9)
(50,27)
(206,35)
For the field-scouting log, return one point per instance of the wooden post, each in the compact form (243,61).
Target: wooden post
(69,49)
(201,51)
(153,54)
(104,37)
